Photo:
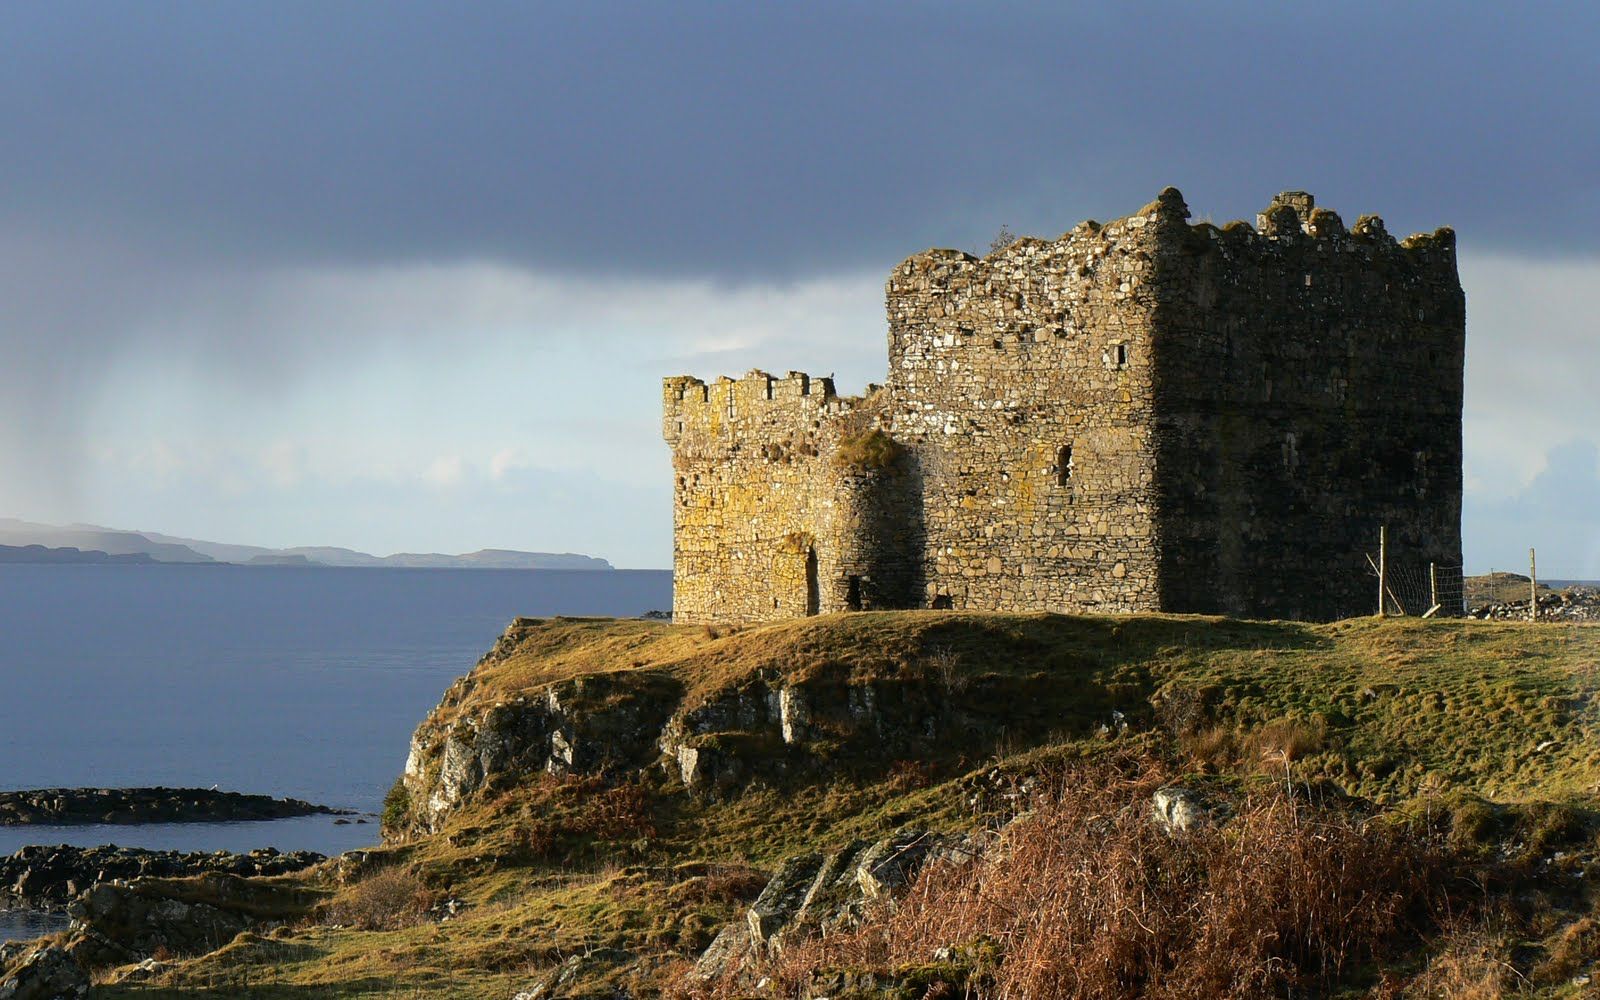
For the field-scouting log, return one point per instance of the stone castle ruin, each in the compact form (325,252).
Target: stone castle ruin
(1145,415)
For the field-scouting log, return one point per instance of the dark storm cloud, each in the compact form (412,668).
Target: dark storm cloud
(746,140)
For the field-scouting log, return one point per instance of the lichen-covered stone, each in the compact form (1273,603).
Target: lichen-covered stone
(1138,416)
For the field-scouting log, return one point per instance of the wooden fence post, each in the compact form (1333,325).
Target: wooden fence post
(1533,587)
(1383,566)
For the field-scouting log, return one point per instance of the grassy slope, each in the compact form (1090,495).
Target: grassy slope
(1402,710)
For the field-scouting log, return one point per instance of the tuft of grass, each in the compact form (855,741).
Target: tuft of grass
(872,449)
(386,900)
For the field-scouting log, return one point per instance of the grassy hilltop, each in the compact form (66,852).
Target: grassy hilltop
(1467,750)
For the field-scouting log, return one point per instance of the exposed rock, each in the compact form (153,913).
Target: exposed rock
(42,878)
(887,868)
(117,923)
(770,726)
(587,725)
(821,893)
(780,902)
(81,806)
(144,971)
(1177,810)
(793,715)
(727,951)
(46,974)
(566,981)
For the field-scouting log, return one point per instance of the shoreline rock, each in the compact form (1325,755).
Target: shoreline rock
(47,878)
(125,806)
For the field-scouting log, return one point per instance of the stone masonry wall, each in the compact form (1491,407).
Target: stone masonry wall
(1022,383)
(769,522)
(1309,386)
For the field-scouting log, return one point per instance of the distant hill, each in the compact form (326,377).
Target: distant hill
(42,554)
(173,549)
(91,538)
(276,560)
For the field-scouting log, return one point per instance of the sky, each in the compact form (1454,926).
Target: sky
(405,277)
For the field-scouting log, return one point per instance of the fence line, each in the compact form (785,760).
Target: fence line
(1408,585)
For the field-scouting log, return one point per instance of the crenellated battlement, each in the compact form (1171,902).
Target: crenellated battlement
(756,398)
(1146,413)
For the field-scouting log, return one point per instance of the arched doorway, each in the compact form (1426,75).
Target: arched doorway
(796,588)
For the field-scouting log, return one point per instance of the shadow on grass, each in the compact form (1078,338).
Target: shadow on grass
(1045,640)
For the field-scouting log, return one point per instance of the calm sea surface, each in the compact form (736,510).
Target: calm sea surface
(301,682)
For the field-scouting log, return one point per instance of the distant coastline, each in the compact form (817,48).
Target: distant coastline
(27,542)
(39,554)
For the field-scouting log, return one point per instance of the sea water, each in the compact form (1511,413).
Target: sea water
(287,681)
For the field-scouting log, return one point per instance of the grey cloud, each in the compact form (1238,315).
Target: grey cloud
(747,139)
(163,167)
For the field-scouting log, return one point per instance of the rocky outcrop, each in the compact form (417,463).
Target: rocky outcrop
(82,806)
(48,973)
(566,981)
(116,923)
(717,734)
(820,893)
(586,725)
(43,878)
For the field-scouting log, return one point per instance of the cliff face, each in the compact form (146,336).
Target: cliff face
(714,713)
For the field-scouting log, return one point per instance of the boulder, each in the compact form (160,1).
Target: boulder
(727,951)
(819,893)
(780,902)
(1177,810)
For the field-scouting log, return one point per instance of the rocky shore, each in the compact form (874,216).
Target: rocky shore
(45,878)
(85,806)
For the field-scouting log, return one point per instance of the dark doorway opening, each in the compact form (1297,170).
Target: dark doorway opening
(813,591)
(852,597)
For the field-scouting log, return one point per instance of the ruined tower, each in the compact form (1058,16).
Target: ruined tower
(1141,415)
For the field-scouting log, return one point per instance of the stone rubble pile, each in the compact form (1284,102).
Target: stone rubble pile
(1573,604)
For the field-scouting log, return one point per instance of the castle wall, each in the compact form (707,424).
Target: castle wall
(998,368)
(1138,416)
(1309,382)
(770,522)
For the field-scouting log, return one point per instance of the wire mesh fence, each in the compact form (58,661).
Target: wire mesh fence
(1424,589)
(1406,583)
